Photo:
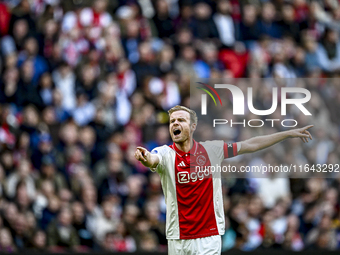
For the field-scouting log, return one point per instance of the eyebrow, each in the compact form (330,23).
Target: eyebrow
(179,118)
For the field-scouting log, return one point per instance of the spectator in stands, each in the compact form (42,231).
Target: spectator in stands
(80,224)
(106,222)
(6,241)
(22,174)
(38,242)
(203,25)
(31,52)
(61,234)
(224,23)
(267,24)
(162,20)
(249,30)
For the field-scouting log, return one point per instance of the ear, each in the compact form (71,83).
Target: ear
(193,127)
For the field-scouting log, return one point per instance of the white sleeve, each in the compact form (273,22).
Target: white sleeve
(160,152)
(215,147)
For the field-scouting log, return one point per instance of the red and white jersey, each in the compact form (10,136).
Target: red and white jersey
(194,202)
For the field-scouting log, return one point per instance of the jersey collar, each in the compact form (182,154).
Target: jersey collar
(182,153)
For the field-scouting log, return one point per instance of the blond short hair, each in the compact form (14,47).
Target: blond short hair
(193,116)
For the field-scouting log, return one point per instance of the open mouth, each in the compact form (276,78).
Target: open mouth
(177,132)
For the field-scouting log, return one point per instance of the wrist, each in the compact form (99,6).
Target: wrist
(146,164)
(289,134)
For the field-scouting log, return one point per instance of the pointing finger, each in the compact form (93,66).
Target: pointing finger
(141,148)
(307,127)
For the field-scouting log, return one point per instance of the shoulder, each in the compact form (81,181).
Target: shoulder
(164,153)
(161,150)
(213,143)
(214,147)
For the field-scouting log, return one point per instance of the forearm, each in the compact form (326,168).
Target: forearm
(262,142)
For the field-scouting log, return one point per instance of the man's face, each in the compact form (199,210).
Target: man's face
(180,127)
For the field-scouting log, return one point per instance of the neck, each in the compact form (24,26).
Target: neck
(186,145)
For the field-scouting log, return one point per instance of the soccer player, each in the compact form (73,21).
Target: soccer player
(195,215)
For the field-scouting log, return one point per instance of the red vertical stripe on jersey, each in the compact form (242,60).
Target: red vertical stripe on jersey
(195,201)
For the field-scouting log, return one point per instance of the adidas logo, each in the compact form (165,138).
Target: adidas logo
(181,164)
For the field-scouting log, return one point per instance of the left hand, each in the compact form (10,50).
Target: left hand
(303,133)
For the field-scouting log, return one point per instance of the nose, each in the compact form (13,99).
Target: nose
(175,122)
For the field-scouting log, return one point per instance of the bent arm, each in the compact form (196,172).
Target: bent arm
(262,142)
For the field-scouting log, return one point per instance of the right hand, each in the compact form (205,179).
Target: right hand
(146,158)
(142,154)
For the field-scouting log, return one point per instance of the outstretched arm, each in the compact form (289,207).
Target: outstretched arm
(262,142)
(146,158)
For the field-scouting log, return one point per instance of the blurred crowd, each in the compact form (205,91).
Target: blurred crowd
(85,82)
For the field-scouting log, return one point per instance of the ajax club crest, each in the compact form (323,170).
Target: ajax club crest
(201,160)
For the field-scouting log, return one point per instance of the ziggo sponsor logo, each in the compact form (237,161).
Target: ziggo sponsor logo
(186,177)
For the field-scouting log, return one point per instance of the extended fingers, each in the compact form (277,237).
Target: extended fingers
(304,139)
(304,136)
(309,134)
